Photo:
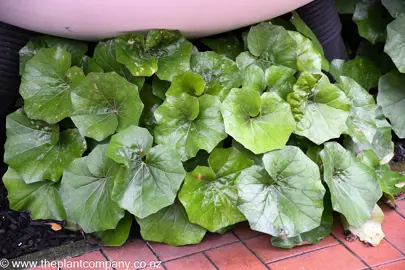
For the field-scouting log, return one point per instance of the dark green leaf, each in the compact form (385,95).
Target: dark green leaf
(228,45)
(119,235)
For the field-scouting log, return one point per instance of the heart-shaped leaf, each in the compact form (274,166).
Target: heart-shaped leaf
(104,103)
(170,225)
(209,194)
(260,123)
(152,176)
(285,198)
(353,185)
(41,199)
(190,124)
(38,151)
(86,189)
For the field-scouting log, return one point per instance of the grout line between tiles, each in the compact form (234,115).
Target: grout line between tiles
(385,263)
(105,256)
(211,261)
(352,252)
(154,253)
(389,242)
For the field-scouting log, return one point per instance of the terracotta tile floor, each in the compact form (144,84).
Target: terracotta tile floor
(245,249)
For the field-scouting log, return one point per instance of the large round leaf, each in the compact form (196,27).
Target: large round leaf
(152,176)
(209,194)
(273,45)
(391,97)
(285,198)
(45,85)
(189,124)
(261,123)
(170,225)
(104,103)
(395,42)
(41,199)
(86,190)
(37,151)
(353,185)
(319,107)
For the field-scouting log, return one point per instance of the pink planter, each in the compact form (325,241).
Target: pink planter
(97,19)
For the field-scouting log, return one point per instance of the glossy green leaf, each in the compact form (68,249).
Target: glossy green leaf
(209,194)
(395,7)
(46,85)
(372,20)
(319,108)
(308,57)
(119,235)
(104,103)
(285,198)
(163,52)
(391,97)
(228,45)
(190,83)
(254,78)
(86,189)
(38,151)
(41,199)
(272,44)
(170,225)
(353,185)
(151,103)
(395,42)
(260,123)
(152,176)
(159,87)
(76,48)
(280,80)
(190,124)
(89,65)
(244,59)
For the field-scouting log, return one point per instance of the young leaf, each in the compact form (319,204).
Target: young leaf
(190,124)
(254,78)
(151,103)
(395,42)
(152,176)
(160,87)
(285,197)
(86,188)
(163,52)
(260,123)
(395,7)
(353,185)
(280,80)
(391,98)
(272,44)
(228,45)
(209,194)
(46,85)
(41,199)
(104,103)
(190,83)
(76,48)
(170,225)
(37,151)
(360,69)
(308,57)
(319,107)
(118,236)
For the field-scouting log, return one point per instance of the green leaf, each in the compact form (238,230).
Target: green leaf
(391,183)
(170,225)
(160,87)
(395,7)
(346,6)
(89,65)
(260,123)
(190,83)
(37,151)
(118,236)
(371,19)
(152,176)
(219,72)
(395,40)
(353,185)
(104,103)
(254,78)
(308,57)
(391,97)
(313,236)
(209,194)
(360,69)
(76,48)
(285,198)
(190,124)
(319,107)
(280,80)
(163,52)
(376,54)
(362,124)
(272,44)
(86,189)
(41,199)
(151,103)
(228,45)
(46,85)
(244,59)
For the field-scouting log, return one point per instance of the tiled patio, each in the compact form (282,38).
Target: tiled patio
(246,249)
